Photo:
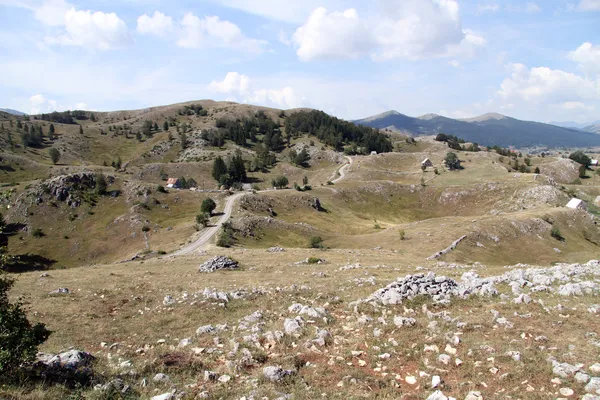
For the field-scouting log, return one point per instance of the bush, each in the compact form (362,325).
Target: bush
(556,234)
(313,260)
(582,171)
(145,228)
(280,182)
(203,219)
(54,155)
(161,189)
(37,233)
(19,339)
(402,234)
(581,158)
(316,242)
(208,206)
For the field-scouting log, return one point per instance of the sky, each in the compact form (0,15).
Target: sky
(352,58)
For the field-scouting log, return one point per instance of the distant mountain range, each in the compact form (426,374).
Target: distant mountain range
(11,111)
(577,125)
(488,129)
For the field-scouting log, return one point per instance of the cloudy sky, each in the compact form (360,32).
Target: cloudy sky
(352,58)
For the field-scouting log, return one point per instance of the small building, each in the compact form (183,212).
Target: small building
(373,153)
(594,163)
(427,163)
(173,183)
(577,204)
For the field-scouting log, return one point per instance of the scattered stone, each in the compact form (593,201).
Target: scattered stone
(474,396)
(411,380)
(275,250)
(161,378)
(567,392)
(206,329)
(168,300)
(582,377)
(595,369)
(276,374)
(444,359)
(293,326)
(60,291)
(218,263)
(593,386)
(436,381)
(403,321)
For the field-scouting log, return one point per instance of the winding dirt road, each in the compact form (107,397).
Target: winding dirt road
(208,234)
(212,231)
(342,170)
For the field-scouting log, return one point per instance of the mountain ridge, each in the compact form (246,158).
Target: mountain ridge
(487,129)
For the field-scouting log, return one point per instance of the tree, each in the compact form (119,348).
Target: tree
(54,155)
(166,126)
(80,129)
(280,182)
(147,128)
(582,171)
(537,170)
(237,169)
(302,158)
(315,242)
(305,180)
(581,158)
(184,141)
(208,206)
(51,132)
(155,126)
(203,219)
(452,161)
(219,169)
(101,184)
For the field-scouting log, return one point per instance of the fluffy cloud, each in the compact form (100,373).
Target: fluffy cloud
(529,7)
(211,31)
(589,5)
(335,35)
(158,24)
(240,88)
(52,12)
(588,58)
(292,11)
(95,30)
(545,85)
(409,29)
(39,104)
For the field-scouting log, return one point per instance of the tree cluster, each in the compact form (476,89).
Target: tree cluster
(452,161)
(194,109)
(228,175)
(242,130)
(580,157)
(301,158)
(336,132)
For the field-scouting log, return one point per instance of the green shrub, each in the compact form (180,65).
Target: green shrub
(161,189)
(203,219)
(402,234)
(316,242)
(37,233)
(313,260)
(556,234)
(208,206)
(19,339)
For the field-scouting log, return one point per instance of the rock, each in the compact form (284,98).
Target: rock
(437,395)
(402,321)
(515,355)
(276,374)
(224,378)
(293,326)
(161,378)
(567,392)
(436,381)
(582,377)
(564,370)
(590,397)
(275,250)
(60,291)
(218,263)
(168,300)
(595,369)
(206,329)
(411,380)
(116,385)
(522,299)
(164,396)
(593,386)
(184,343)
(72,359)
(474,396)
(444,359)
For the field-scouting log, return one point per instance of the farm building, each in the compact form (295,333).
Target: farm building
(373,153)
(594,163)
(577,204)
(173,183)
(427,163)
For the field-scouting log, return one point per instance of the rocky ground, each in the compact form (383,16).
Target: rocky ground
(438,331)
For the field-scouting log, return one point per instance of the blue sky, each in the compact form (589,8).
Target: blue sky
(531,60)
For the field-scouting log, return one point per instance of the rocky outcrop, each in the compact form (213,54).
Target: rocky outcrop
(217,263)
(68,188)
(71,367)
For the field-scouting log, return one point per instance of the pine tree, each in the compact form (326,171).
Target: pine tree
(166,126)
(219,169)
(54,155)
(155,126)
(237,169)
(80,130)
(52,131)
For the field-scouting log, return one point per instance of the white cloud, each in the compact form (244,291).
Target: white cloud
(454,63)
(288,11)
(576,105)
(158,24)
(211,31)
(52,12)
(410,29)
(545,85)
(95,30)
(589,5)
(588,58)
(39,104)
(529,7)
(336,35)
(233,83)
(240,88)
(483,8)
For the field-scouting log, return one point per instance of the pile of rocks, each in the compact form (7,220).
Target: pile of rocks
(217,263)
(71,367)
(275,250)
(415,285)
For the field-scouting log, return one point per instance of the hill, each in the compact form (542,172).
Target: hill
(488,129)
(593,128)
(11,111)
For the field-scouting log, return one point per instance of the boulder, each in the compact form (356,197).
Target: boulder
(218,263)
(276,374)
